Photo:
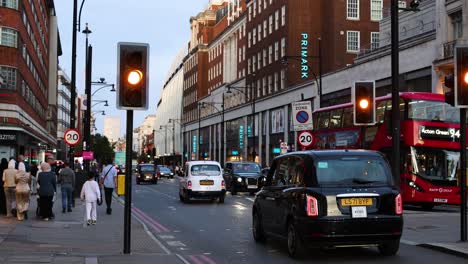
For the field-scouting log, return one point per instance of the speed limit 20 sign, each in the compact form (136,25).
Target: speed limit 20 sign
(72,137)
(305,138)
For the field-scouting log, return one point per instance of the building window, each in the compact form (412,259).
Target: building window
(250,13)
(250,39)
(9,37)
(9,78)
(270,54)
(264,58)
(457,25)
(283,79)
(254,36)
(283,15)
(276,51)
(265,29)
(276,82)
(270,20)
(9,3)
(259,32)
(352,41)
(276,19)
(374,40)
(270,84)
(352,9)
(283,47)
(376,10)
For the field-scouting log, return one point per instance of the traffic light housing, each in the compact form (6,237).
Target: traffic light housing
(449,90)
(461,76)
(132,76)
(363,95)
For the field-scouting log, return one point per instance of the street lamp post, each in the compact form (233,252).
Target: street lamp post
(87,128)
(222,125)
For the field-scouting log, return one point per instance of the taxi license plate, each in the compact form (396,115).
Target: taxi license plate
(252,187)
(205,182)
(356,201)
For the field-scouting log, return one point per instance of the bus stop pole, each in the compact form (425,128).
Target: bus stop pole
(463,222)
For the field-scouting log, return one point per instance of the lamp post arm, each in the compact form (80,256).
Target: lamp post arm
(79,16)
(107,85)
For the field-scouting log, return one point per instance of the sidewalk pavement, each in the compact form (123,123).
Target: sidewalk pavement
(438,230)
(67,239)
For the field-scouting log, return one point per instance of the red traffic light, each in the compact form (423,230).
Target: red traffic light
(461,77)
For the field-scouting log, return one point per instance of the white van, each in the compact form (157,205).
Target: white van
(202,179)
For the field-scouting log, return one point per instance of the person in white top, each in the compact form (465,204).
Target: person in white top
(91,194)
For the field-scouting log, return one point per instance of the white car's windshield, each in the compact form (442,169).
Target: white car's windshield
(205,170)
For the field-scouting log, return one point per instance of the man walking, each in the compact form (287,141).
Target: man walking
(67,181)
(109,180)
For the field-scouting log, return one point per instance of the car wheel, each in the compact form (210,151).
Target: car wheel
(294,241)
(233,189)
(257,229)
(221,198)
(389,248)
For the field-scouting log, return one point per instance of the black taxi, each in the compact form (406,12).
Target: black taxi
(330,199)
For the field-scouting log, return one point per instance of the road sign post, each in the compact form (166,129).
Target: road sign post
(72,137)
(302,115)
(305,139)
(284,147)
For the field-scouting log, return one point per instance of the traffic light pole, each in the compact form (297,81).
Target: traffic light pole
(128,183)
(73,81)
(463,209)
(395,91)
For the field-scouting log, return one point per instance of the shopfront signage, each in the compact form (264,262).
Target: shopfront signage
(439,133)
(6,137)
(241,137)
(304,56)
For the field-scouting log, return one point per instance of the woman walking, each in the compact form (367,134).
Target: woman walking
(22,180)
(9,186)
(47,187)
(3,167)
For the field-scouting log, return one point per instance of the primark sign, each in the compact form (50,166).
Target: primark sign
(439,133)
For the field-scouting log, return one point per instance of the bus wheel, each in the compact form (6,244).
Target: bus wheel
(427,206)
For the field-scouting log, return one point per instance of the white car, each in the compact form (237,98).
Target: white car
(202,179)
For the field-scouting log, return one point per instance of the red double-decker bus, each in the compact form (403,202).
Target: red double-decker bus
(430,147)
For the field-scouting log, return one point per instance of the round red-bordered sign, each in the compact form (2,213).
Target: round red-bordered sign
(305,138)
(72,137)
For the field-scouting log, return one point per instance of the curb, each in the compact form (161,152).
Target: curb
(445,250)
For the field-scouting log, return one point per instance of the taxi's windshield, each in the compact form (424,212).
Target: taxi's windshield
(246,168)
(205,170)
(147,168)
(352,170)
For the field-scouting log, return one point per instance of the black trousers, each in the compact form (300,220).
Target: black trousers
(45,206)
(108,193)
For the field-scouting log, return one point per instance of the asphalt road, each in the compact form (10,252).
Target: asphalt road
(208,232)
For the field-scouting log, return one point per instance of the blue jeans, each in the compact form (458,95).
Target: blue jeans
(67,196)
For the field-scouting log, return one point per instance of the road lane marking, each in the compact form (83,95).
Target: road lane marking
(163,228)
(182,259)
(175,244)
(250,199)
(150,234)
(207,259)
(195,259)
(156,228)
(166,237)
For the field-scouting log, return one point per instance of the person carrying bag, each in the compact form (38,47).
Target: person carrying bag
(109,181)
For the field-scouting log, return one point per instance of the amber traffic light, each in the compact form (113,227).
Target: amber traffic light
(461,77)
(132,76)
(363,95)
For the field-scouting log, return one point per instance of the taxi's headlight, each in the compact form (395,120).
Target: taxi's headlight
(239,179)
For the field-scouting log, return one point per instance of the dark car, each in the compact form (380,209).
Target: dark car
(330,199)
(146,173)
(242,177)
(163,171)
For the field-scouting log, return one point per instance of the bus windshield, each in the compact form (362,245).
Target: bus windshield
(424,110)
(435,165)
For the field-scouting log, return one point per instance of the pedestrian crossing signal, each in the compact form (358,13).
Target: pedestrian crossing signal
(132,76)
(363,94)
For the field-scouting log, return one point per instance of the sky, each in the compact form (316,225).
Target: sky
(164,25)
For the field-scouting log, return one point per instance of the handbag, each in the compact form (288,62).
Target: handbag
(101,183)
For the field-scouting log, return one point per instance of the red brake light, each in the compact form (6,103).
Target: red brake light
(312,206)
(189,184)
(223,185)
(398,205)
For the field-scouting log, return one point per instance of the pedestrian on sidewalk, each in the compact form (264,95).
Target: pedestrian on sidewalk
(91,194)
(47,188)
(3,167)
(9,186)
(109,180)
(34,171)
(67,182)
(22,179)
